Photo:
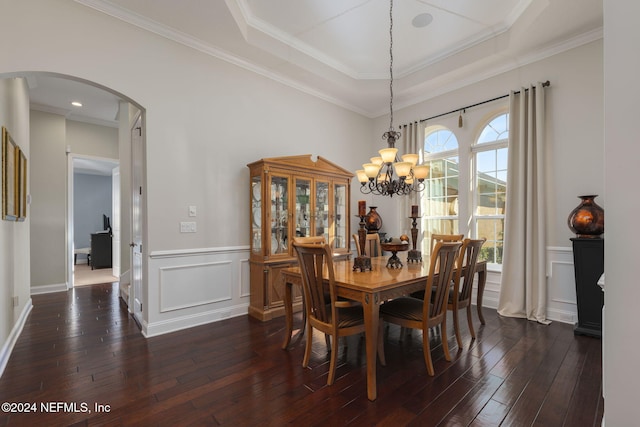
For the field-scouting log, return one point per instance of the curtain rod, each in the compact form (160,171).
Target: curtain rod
(545,84)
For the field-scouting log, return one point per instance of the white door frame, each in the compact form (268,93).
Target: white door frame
(70,201)
(138,212)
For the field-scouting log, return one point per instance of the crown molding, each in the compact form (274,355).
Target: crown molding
(428,91)
(438,88)
(197,44)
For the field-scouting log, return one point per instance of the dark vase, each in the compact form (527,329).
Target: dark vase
(587,220)
(373,221)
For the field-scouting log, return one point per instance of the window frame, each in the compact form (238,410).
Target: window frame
(476,148)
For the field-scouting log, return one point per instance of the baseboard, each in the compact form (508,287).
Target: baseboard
(185,322)
(7,348)
(47,289)
(562,316)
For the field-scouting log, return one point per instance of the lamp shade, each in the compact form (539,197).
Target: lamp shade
(403,169)
(376,160)
(371,169)
(388,154)
(420,171)
(411,158)
(362,176)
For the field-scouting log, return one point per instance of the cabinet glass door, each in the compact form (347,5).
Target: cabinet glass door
(256,214)
(322,210)
(279,237)
(303,207)
(340,219)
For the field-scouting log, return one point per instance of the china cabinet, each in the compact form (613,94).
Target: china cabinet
(292,196)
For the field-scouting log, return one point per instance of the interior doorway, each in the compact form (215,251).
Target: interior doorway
(93,215)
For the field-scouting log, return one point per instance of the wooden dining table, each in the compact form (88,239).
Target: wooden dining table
(371,288)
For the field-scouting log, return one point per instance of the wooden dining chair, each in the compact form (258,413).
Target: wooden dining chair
(435,238)
(310,240)
(372,245)
(460,297)
(423,314)
(330,316)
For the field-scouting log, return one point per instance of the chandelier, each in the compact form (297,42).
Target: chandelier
(386,175)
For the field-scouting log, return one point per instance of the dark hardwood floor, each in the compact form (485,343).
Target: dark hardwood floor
(81,347)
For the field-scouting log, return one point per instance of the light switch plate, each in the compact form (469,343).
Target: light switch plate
(192,210)
(187,227)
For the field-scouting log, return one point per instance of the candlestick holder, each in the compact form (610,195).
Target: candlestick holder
(362,262)
(414,254)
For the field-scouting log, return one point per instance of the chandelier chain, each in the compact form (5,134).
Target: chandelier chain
(386,175)
(391,64)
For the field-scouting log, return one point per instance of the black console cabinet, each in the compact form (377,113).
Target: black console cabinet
(101,250)
(588,261)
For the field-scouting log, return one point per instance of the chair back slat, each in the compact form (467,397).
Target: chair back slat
(467,260)
(443,260)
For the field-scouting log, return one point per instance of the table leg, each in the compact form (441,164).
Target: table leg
(482,280)
(371,322)
(288,310)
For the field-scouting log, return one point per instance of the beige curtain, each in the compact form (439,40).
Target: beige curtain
(412,141)
(523,288)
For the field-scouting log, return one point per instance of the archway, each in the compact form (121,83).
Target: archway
(54,121)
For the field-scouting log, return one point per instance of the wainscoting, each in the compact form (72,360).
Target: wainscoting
(561,286)
(194,287)
(197,286)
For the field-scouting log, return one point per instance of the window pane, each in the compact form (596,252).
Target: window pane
(496,130)
(440,140)
(493,231)
(437,226)
(440,199)
(502,159)
(486,161)
(491,182)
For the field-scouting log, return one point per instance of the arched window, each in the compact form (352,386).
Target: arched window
(490,186)
(439,201)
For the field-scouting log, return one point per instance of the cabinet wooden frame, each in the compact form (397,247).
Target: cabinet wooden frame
(268,222)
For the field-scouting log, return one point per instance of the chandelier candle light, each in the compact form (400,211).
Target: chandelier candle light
(362,262)
(385,175)
(414,254)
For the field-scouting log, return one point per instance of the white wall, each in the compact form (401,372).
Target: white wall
(92,140)
(14,236)
(206,120)
(622,174)
(48,176)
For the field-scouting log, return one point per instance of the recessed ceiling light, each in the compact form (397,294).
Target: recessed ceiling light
(422,20)
(76,103)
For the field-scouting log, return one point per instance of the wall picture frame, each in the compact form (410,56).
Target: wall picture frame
(22,185)
(9,177)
